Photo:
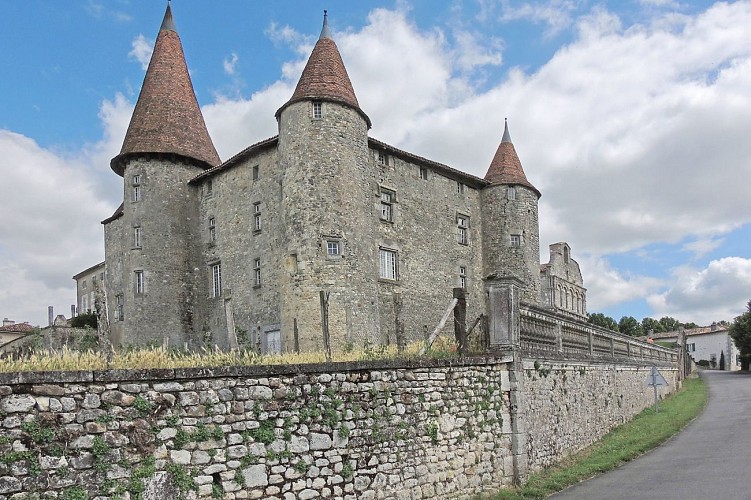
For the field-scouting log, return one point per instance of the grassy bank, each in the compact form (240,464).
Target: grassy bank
(646,431)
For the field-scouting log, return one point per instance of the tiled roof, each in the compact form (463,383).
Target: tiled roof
(445,170)
(506,167)
(249,151)
(325,78)
(167,118)
(690,332)
(17,328)
(118,213)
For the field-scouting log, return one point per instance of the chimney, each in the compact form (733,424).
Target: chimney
(72,310)
(50,315)
(713,326)
(8,322)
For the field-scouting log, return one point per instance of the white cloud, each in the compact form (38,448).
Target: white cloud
(142,49)
(230,63)
(720,291)
(556,14)
(607,286)
(701,247)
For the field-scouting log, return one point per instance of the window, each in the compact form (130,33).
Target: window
(139,283)
(333,248)
(691,347)
(137,237)
(85,304)
(257,272)
(212,230)
(119,302)
(93,281)
(387,209)
(511,192)
(83,284)
(459,188)
(424,173)
(516,240)
(382,158)
(462,224)
(209,187)
(216,280)
(255,172)
(257,216)
(317,110)
(136,187)
(463,277)
(388,264)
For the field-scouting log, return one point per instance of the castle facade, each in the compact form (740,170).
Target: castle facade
(244,252)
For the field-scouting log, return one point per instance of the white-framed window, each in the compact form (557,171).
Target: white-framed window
(387,205)
(389,264)
(257,216)
(463,277)
(212,230)
(140,284)
(424,173)
(462,226)
(511,192)
(209,187)
(257,272)
(136,193)
(119,303)
(85,304)
(216,280)
(317,110)
(137,236)
(256,172)
(459,187)
(333,248)
(691,347)
(515,240)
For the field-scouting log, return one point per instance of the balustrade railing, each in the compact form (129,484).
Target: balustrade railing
(542,331)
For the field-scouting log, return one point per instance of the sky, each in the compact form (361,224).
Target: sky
(633,119)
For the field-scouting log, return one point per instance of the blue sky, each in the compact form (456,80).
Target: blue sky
(631,117)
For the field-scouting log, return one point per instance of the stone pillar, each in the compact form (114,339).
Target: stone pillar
(503,312)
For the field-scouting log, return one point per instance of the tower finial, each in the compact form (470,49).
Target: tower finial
(325,32)
(506,135)
(168,23)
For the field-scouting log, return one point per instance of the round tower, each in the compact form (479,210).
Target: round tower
(148,244)
(328,204)
(511,231)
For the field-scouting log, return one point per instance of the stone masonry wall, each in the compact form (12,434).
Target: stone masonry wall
(367,430)
(571,405)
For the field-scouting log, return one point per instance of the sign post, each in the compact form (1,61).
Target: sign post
(655,379)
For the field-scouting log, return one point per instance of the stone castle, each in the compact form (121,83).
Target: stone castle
(204,252)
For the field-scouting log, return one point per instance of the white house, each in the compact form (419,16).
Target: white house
(708,343)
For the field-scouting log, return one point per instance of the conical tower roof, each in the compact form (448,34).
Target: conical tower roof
(506,167)
(167,118)
(325,78)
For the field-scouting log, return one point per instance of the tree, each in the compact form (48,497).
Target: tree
(740,332)
(669,324)
(628,325)
(84,320)
(652,324)
(599,319)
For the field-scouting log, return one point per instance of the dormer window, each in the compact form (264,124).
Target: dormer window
(382,158)
(317,110)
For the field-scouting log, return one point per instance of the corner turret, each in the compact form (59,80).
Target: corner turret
(167,119)
(511,244)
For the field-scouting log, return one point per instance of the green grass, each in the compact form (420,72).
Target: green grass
(646,431)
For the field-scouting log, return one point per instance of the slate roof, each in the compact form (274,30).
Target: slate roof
(325,78)
(506,167)
(167,119)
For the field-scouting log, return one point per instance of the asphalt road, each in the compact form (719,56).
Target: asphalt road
(710,459)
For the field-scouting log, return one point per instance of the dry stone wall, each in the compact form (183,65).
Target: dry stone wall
(367,430)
